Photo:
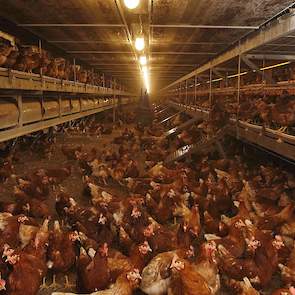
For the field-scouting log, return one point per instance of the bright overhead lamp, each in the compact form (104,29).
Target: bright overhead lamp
(275,66)
(143,60)
(131,4)
(146,81)
(215,80)
(144,69)
(237,75)
(139,43)
(146,78)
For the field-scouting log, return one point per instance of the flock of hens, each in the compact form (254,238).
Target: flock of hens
(208,226)
(32,59)
(272,111)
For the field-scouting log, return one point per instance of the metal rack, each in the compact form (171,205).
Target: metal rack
(278,142)
(270,89)
(169,118)
(279,27)
(20,129)
(256,45)
(204,144)
(176,130)
(161,111)
(32,102)
(16,80)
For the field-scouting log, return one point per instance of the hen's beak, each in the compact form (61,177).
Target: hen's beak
(225,219)
(2,284)
(174,259)
(83,252)
(91,253)
(45,225)
(57,226)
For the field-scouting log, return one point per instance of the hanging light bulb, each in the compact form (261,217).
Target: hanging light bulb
(143,60)
(144,69)
(131,4)
(146,78)
(139,43)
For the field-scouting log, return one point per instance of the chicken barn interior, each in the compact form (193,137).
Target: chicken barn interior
(147,147)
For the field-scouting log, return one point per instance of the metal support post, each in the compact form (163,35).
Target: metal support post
(210,89)
(179,91)
(239,86)
(114,101)
(195,94)
(20,110)
(186,95)
(40,51)
(75,74)
(42,106)
(263,79)
(238,98)
(60,106)
(80,103)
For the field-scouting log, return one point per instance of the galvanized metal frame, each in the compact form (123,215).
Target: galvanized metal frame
(15,80)
(114,100)
(71,25)
(186,92)
(188,26)
(178,129)
(21,129)
(184,26)
(182,53)
(98,52)
(271,31)
(270,88)
(271,56)
(20,108)
(210,88)
(239,85)
(170,117)
(195,90)
(130,52)
(277,142)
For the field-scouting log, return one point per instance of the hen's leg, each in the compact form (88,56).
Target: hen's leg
(283,129)
(175,220)
(54,283)
(68,285)
(43,286)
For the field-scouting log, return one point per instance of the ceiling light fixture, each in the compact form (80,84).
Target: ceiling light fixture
(275,66)
(144,69)
(131,4)
(146,81)
(143,60)
(146,78)
(237,75)
(139,43)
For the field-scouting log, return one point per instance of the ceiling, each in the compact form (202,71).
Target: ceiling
(174,51)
